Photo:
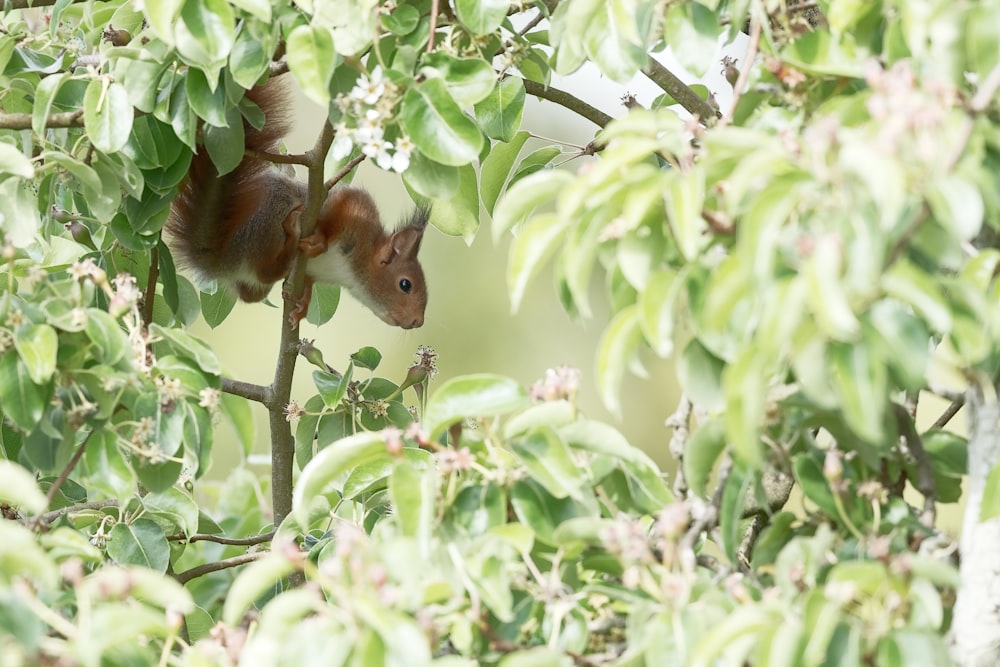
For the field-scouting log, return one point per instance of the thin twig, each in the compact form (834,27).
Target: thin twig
(216,566)
(435,8)
(748,60)
(948,413)
(344,171)
(924,482)
(63,476)
(253,540)
(149,298)
(49,517)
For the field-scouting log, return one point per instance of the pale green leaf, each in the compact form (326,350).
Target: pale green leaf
(535,242)
(437,125)
(482,395)
(19,489)
(37,344)
(618,346)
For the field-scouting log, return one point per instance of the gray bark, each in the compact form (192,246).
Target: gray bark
(976,622)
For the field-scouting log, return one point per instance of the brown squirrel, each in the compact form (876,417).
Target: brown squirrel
(242,229)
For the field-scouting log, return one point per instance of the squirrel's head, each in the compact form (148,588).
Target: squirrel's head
(398,284)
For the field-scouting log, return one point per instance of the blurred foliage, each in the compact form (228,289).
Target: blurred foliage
(814,257)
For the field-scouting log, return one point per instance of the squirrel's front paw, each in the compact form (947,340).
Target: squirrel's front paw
(313,245)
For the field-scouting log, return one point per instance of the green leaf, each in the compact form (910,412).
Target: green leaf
(258,8)
(402,20)
(692,32)
(481,395)
(312,59)
(140,543)
(331,387)
(656,310)
(685,198)
(957,205)
(431,179)
(254,581)
(549,462)
(187,346)
(500,113)
(861,381)
(216,306)
(173,509)
(413,490)
(19,211)
(325,470)
(745,390)
(107,471)
(481,16)
(13,161)
(205,32)
(45,93)
(534,244)
(21,400)
(19,488)
(107,115)
(207,98)
(459,214)
(37,344)
(525,196)
(367,357)
(225,144)
(700,374)
(496,168)
(541,512)
(110,342)
(323,304)
(703,450)
(437,125)
(536,657)
(809,475)
(158,476)
(469,80)
(990,508)
(618,346)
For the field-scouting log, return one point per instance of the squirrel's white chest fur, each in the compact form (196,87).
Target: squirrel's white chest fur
(333,266)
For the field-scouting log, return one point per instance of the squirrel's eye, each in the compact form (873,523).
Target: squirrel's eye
(405,285)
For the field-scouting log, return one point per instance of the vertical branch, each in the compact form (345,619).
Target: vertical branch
(282,442)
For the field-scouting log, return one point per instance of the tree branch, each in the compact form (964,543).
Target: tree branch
(680,91)
(247,390)
(564,99)
(208,568)
(22,121)
(282,442)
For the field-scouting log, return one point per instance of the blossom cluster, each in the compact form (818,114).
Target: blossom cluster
(366,109)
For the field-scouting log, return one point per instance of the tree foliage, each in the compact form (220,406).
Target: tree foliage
(817,256)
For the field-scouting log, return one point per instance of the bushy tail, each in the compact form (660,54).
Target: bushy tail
(210,207)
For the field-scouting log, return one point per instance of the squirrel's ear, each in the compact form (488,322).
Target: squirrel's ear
(406,242)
